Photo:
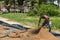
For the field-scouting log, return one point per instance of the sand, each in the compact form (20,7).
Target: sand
(26,35)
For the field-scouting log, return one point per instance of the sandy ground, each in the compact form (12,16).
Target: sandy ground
(7,33)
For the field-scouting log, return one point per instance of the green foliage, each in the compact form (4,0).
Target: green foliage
(48,9)
(1,0)
(32,12)
(56,23)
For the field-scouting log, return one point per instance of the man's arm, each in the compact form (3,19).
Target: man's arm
(39,21)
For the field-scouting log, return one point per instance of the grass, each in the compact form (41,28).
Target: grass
(22,18)
(30,20)
(56,23)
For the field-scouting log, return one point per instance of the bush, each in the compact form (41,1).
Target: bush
(48,9)
(32,13)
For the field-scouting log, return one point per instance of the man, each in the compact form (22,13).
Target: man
(47,21)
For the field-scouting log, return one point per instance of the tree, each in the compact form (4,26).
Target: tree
(32,3)
(51,1)
(20,2)
(41,1)
(1,0)
(6,2)
(58,3)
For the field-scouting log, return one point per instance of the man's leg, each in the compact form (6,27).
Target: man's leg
(49,29)
(49,26)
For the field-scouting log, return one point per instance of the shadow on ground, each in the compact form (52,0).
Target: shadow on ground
(56,34)
(14,26)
